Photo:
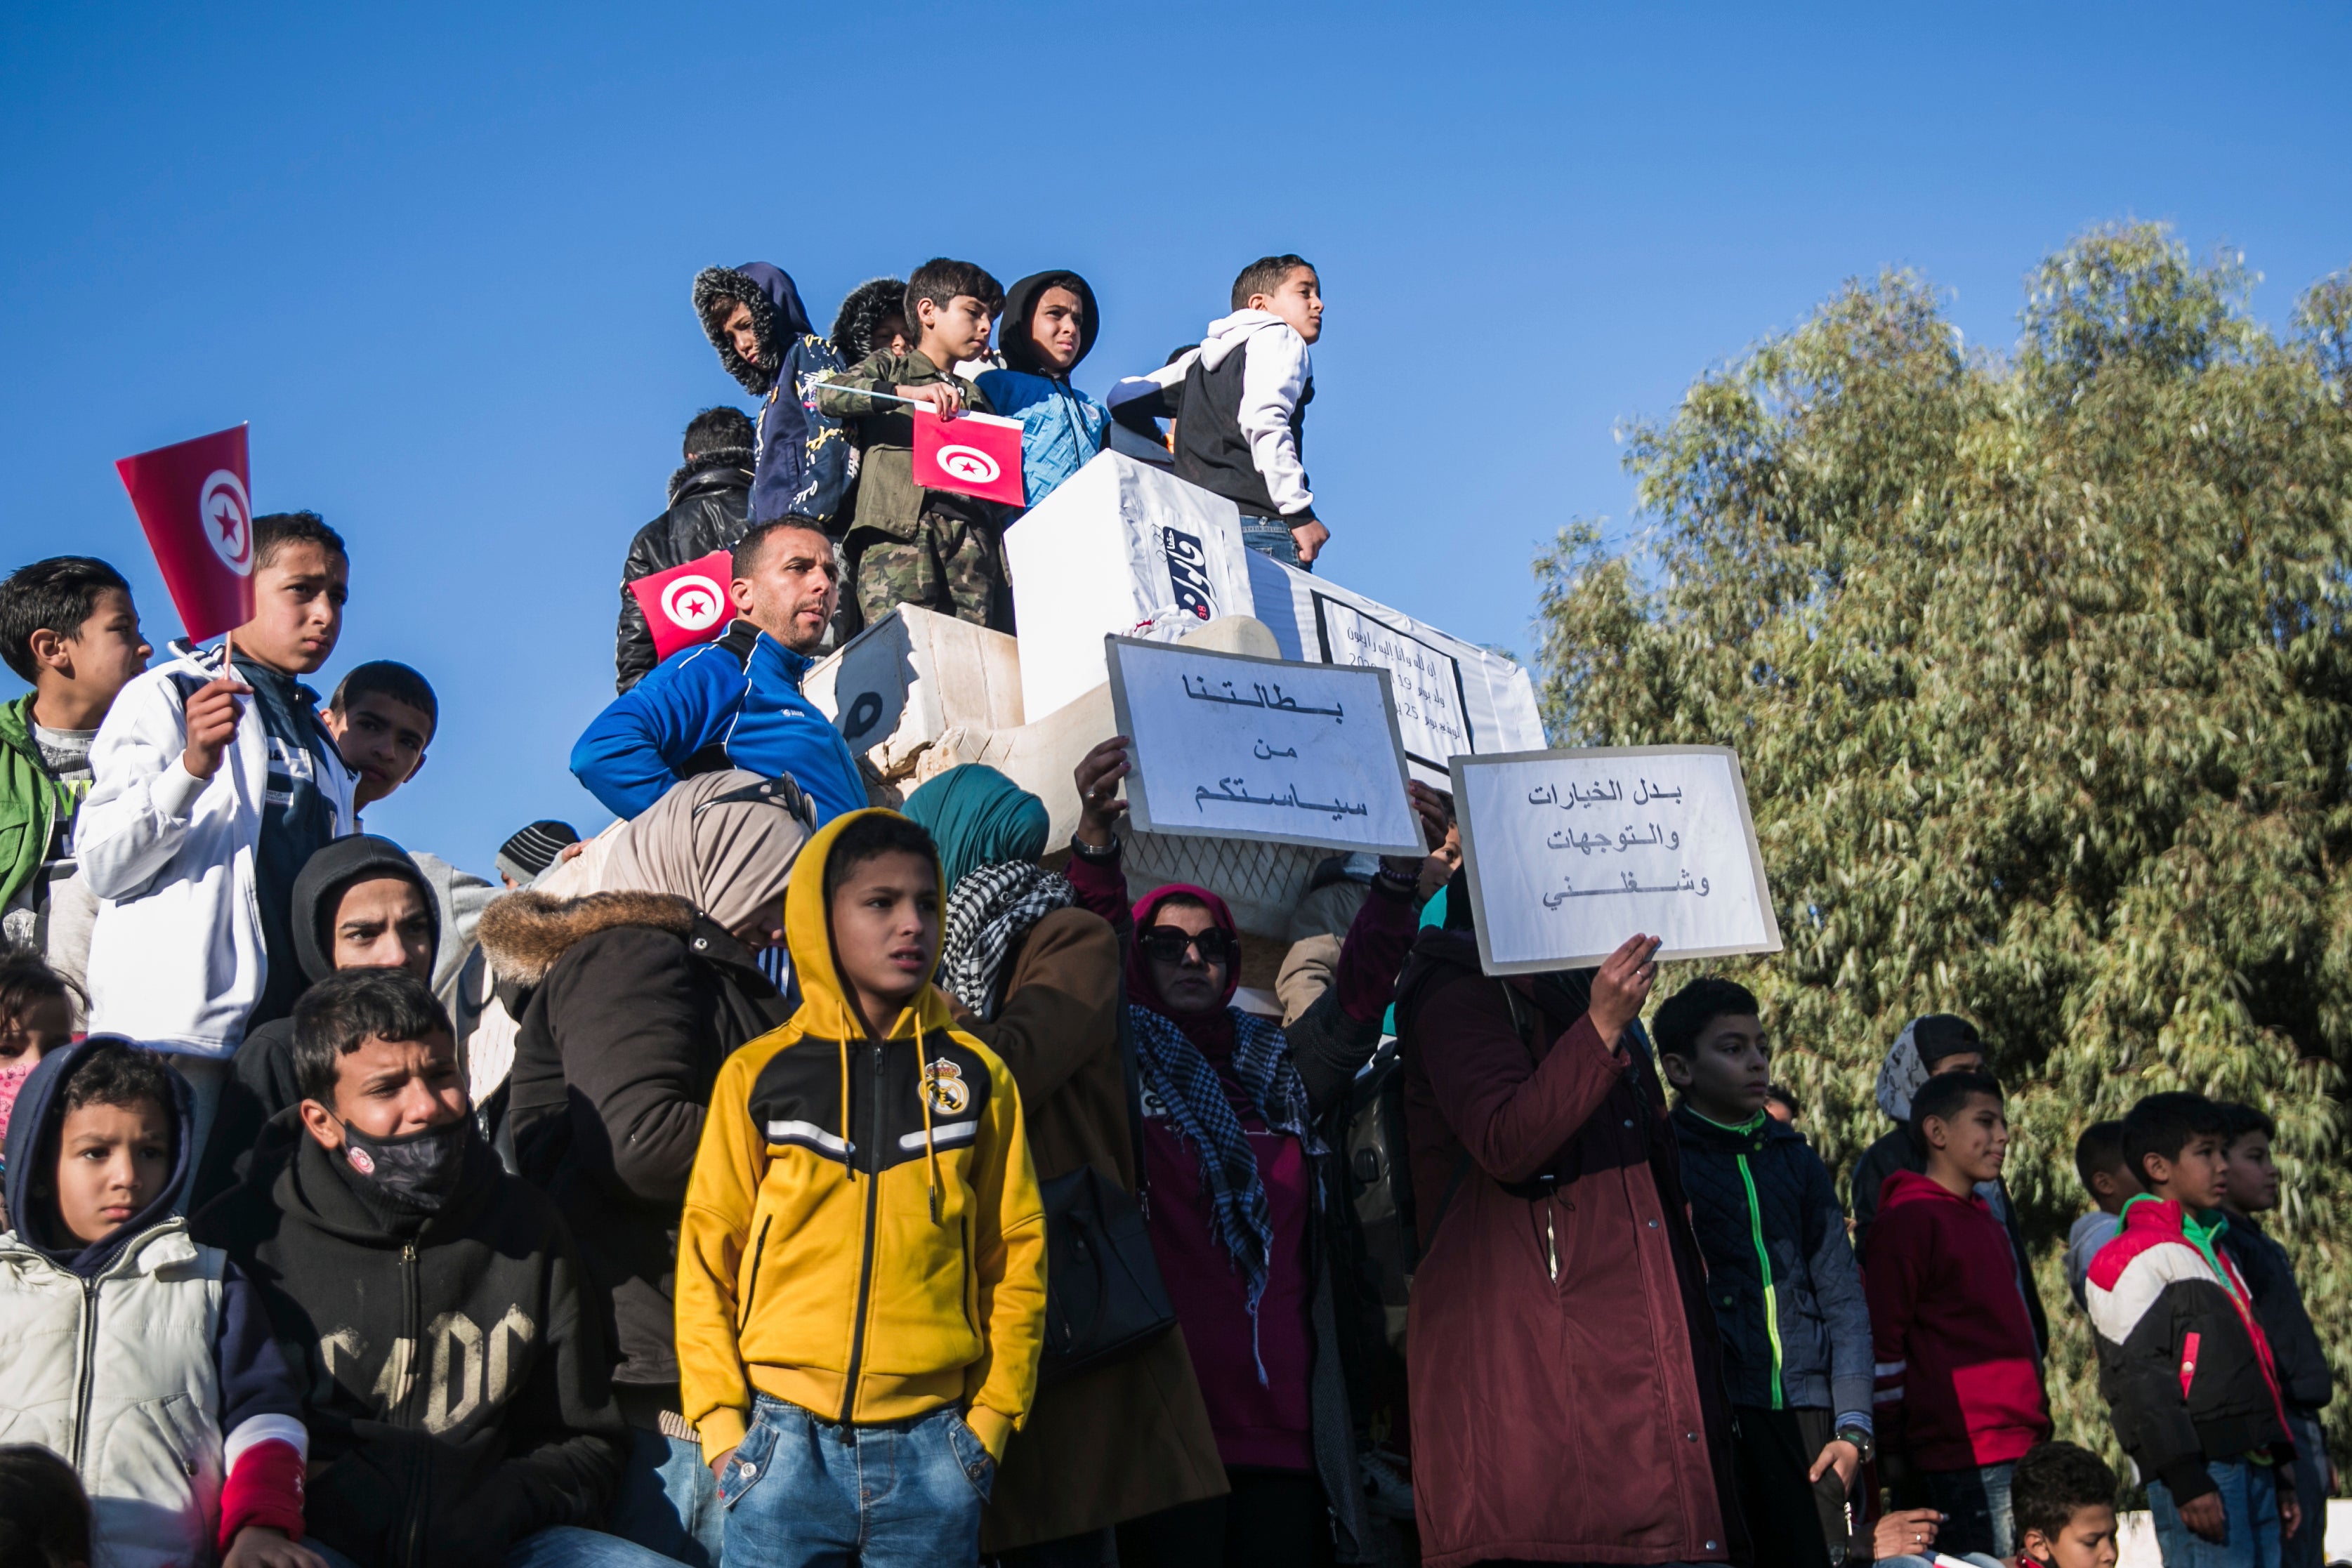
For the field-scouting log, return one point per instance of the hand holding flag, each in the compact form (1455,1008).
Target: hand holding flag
(193,499)
(974,454)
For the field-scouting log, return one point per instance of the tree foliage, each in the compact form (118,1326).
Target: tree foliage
(2039,671)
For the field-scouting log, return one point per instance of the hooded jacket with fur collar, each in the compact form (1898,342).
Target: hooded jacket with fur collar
(863,1235)
(709,508)
(630,1002)
(804,465)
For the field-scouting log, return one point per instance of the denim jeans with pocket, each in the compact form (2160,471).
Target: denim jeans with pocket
(804,1492)
(2250,1520)
(669,1500)
(1271,535)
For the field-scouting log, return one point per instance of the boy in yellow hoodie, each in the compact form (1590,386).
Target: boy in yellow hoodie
(861,1265)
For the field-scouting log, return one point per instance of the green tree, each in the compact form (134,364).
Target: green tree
(2039,671)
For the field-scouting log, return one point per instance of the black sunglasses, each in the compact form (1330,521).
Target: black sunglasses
(1167,944)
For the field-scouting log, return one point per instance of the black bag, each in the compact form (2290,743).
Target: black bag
(1104,1296)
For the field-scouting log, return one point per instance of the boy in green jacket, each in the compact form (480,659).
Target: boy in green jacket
(67,626)
(910,544)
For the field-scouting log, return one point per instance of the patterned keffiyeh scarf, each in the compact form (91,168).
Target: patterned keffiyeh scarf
(1183,1080)
(990,910)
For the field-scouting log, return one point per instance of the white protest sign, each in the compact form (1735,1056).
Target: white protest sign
(1233,747)
(1570,852)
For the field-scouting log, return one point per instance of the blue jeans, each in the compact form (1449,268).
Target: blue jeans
(1975,1505)
(669,1500)
(1271,535)
(2249,1514)
(804,1492)
(563,1546)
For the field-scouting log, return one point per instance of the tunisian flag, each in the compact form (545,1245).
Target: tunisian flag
(688,604)
(972,455)
(194,500)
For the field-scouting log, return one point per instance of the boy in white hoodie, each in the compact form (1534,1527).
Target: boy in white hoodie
(1245,391)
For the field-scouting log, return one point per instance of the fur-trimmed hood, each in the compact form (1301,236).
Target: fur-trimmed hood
(524,933)
(777,317)
(731,462)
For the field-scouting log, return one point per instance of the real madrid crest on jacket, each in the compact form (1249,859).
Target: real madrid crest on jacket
(863,1236)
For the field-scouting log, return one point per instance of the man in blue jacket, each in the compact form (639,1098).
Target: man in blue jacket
(735,702)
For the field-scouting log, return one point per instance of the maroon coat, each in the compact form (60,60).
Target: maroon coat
(1567,1383)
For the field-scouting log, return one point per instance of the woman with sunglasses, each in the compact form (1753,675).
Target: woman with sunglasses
(1239,1156)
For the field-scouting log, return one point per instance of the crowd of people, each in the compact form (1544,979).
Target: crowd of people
(777,1177)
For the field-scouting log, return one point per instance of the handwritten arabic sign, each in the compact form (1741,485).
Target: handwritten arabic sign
(1570,852)
(1231,746)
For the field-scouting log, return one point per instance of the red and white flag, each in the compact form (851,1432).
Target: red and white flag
(688,604)
(972,455)
(195,502)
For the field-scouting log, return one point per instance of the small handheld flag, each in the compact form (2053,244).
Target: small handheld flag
(972,455)
(688,604)
(194,500)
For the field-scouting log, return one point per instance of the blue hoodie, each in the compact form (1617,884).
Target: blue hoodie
(741,697)
(802,469)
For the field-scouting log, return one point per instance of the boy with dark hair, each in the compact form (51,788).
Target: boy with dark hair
(1780,1276)
(145,1358)
(1960,1395)
(383,716)
(457,1392)
(861,1267)
(2099,1164)
(753,316)
(2063,1499)
(1244,405)
(1050,322)
(735,702)
(872,316)
(67,626)
(2183,1363)
(911,545)
(2251,1180)
(710,506)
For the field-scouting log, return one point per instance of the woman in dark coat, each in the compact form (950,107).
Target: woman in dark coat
(1567,1381)
(627,1003)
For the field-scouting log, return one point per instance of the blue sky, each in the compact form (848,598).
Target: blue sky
(439,256)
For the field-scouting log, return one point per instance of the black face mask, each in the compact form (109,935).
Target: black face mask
(419,1171)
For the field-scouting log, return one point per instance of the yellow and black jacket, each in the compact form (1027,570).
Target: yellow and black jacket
(863,1236)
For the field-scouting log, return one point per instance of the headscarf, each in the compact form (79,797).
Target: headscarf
(1911,1061)
(979,817)
(724,841)
(989,911)
(1174,1053)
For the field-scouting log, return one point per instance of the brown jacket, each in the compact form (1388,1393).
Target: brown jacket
(1566,1377)
(1133,1437)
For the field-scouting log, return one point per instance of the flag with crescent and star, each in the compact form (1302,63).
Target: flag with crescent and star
(194,500)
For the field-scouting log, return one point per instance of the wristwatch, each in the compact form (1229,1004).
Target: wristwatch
(1862,1441)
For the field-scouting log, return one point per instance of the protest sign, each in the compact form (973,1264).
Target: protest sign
(1230,746)
(1452,697)
(972,455)
(1118,547)
(688,604)
(193,499)
(1570,852)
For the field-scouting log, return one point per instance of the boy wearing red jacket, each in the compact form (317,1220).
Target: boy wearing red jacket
(1960,1396)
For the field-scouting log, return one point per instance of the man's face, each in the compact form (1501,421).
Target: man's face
(390,1088)
(104,652)
(790,591)
(2197,1179)
(383,922)
(885,925)
(383,739)
(2250,1175)
(1298,300)
(1974,1138)
(737,327)
(958,331)
(298,608)
(2088,1541)
(1728,1071)
(112,1160)
(1189,955)
(1056,327)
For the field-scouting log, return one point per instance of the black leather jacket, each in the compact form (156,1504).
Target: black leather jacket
(710,504)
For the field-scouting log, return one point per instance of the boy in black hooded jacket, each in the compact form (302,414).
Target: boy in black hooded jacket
(459,1408)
